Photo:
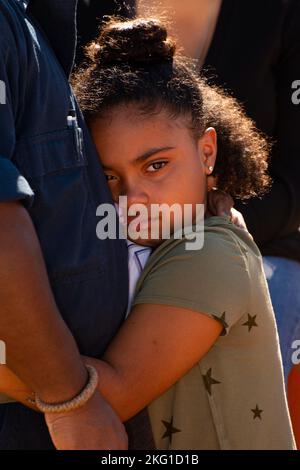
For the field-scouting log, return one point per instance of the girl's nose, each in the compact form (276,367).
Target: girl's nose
(136,195)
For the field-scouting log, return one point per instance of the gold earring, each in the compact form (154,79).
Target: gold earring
(210,168)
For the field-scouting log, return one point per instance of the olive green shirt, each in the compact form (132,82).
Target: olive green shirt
(234,397)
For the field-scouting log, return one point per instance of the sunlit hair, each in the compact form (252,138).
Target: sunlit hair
(135,62)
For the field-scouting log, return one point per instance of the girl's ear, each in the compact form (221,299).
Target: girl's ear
(207,146)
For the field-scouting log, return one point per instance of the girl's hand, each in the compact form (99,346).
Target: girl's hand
(238,219)
(221,204)
(13,387)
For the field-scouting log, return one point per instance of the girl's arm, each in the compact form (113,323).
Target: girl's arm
(155,347)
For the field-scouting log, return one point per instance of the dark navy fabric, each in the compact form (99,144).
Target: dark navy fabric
(48,160)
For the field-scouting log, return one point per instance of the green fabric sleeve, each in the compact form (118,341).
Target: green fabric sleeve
(213,281)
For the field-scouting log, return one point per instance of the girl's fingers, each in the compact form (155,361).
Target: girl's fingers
(238,219)
(220,203)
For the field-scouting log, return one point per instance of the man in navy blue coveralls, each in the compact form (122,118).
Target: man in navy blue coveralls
(52,266)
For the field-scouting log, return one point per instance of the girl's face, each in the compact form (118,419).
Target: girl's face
(153,160)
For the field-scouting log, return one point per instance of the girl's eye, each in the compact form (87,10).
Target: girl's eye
(110,177)
(155,166)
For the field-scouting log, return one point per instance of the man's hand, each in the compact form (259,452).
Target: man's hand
(95,426)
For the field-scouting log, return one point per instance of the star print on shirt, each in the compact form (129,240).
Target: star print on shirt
(256,412)
(250,322)
(223,322)
(209,381)
(170,430)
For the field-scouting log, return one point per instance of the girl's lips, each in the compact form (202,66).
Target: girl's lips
(143,227)
(141,222)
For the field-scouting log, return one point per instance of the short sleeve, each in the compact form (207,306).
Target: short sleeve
(213,280)
(13,185)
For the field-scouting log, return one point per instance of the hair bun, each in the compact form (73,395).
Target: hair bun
(139,41)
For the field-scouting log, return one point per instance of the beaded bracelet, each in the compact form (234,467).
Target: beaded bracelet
(77,402)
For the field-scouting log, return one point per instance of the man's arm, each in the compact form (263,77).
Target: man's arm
(40,348)
(38,343)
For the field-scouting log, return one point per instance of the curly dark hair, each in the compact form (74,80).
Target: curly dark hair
(134,62)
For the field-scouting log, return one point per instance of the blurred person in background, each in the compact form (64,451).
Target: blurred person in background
(90,15)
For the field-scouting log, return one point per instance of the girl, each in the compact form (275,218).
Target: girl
(199,350)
